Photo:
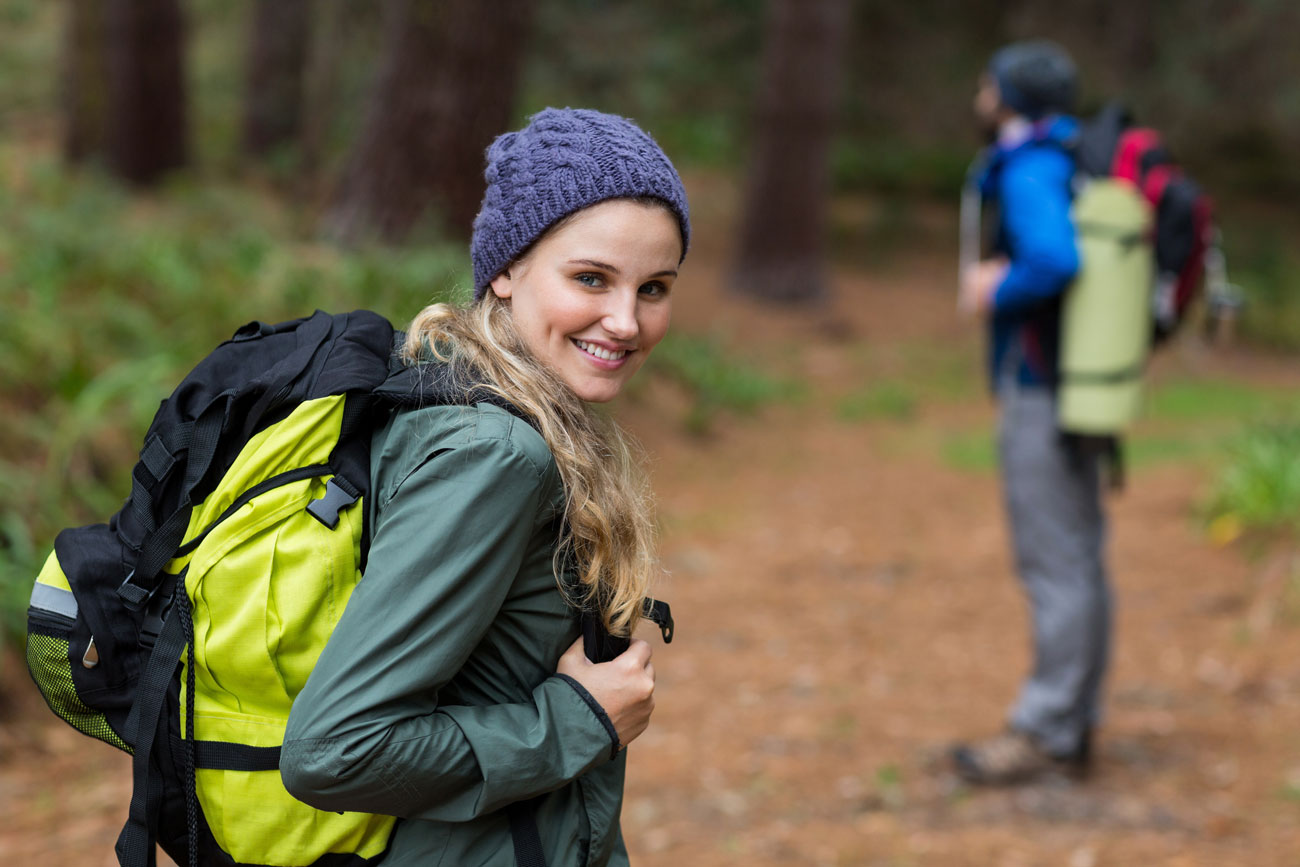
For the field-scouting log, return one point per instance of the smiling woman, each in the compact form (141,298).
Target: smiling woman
(593,298)
(455,691)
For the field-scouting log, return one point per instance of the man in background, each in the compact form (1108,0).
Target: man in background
(1051,487)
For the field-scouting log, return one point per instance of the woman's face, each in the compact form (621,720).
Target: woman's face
(594,296)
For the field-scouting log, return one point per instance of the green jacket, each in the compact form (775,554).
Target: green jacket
(436,698)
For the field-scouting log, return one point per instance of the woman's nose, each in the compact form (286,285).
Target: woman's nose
(620,316)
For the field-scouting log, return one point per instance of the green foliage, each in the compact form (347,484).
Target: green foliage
(713,379)
(892,166)
(1259,487)
(28,58)
(110,300)
(889,787)
(887,400)
(1264,261)
(972,451)
(685,69)
(1193,400)
(1143,449)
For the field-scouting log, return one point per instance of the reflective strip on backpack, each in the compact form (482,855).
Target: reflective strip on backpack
(52,592)
(55,599)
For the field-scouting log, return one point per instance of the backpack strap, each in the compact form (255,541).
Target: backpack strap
(441,384)
(135,844)
(200,444)
(1095,143)
(160,543)
(523,831)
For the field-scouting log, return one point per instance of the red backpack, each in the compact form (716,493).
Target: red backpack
(1110,145)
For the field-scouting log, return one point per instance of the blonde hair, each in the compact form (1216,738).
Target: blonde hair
(608,531)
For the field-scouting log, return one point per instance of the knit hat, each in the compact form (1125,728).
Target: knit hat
(563,161)
(1035,78)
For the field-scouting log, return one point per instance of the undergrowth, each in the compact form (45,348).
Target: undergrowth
(713,379)
(1258,487)
(110,299)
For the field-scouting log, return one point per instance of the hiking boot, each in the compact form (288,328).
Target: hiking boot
(1014,757)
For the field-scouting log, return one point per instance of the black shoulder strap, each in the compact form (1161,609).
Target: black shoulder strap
(1094,145)
(524,833)
(441,384)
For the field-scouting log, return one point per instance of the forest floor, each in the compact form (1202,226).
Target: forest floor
(839,572)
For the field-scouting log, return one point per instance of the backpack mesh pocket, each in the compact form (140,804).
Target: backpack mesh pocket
(49,660)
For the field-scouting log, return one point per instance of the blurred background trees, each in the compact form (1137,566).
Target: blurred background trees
(279,37)
(199,157)
(446,88)
(1219,76)
(124,87)
(148,132)
(781,255)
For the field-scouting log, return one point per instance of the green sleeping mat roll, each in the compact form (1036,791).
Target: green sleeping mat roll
(1106,320)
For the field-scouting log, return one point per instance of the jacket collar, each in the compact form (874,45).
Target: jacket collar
(1021,134)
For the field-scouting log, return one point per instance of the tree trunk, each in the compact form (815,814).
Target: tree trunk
(445,90)
(320,89)
(277,60)
(146,65)
(85,82)
(782,241)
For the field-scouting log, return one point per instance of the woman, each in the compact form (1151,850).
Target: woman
(439,698)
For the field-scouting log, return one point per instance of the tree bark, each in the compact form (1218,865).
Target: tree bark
(147,111)
(320,91)
(277,61)
(782,242)
(84,89)
(445,90)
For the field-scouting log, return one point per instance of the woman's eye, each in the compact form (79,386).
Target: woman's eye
(592,280)
(654,290)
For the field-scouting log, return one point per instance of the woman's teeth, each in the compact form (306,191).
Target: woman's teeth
(606,354)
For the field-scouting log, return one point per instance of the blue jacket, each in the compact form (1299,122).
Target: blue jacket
(1029,182)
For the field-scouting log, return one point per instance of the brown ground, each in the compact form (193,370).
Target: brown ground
(845,610)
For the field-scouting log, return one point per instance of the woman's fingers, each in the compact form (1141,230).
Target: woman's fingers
(637,654)
(623,687)
(576,649)
(573,661)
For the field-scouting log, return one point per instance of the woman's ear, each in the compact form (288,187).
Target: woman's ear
(501,285)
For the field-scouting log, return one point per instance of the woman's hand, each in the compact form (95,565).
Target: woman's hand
(624,686)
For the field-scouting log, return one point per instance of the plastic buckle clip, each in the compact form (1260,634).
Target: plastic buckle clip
(133,596)
(327,508)
(154,618)
(662,615)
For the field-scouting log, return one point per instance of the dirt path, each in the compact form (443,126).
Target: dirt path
(845,610)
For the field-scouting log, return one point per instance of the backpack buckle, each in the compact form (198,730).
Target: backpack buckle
(337,497)
(662,615)
(134,596)
(155,615)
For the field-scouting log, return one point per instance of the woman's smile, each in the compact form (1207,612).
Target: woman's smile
(600,355)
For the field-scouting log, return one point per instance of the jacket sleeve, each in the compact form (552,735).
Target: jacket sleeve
(367,733)
(1035,196)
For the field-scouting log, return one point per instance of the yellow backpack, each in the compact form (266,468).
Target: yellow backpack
(182,630)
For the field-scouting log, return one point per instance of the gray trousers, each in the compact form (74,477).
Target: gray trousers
(1058,528)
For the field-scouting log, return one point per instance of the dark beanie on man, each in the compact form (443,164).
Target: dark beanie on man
(563,161)
(1035,78)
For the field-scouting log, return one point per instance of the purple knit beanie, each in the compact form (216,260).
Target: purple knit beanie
(563,161)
